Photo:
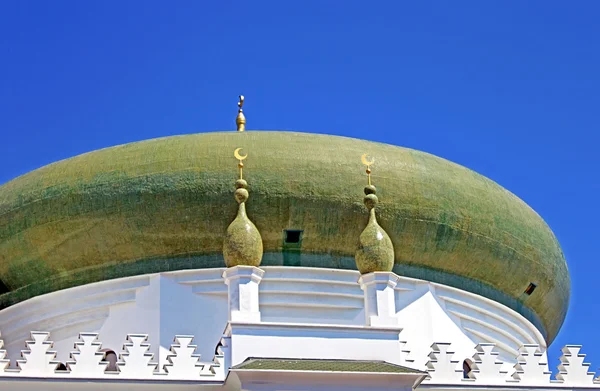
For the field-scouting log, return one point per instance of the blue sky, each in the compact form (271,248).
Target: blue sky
(506,88)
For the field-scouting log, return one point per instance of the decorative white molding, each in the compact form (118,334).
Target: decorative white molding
(4,362)
(380,298)
(87,359)
(185,365)
(286,295)
(136,361)
(298,341)
(441,366)
(304,313)
(490,315)
(68,311)
(572,369)
(486,368)
(38,359)
(405,355)
(222,357)
(531,366)
(242,283)
(531,370)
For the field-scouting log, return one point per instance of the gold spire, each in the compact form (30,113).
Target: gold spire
(240,121)
(243,243)
(375,251)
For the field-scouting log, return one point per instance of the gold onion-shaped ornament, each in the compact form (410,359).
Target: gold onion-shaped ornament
(243,243)
(375,251)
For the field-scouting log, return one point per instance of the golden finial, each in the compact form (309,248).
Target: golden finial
(243,243)
(367,163)
(241,119)
(239,157)
(375,251)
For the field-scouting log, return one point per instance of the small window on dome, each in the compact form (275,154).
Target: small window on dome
(293,236)
(3,288)
(292,240)
(530,288)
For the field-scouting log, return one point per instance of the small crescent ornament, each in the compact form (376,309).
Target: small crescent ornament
(364,160)
(237,155)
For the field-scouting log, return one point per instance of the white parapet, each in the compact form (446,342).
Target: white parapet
(200,302)
(135,363)
(87,361)
(380,298)
(485,369)
(304,314)
(38,368)
(242,294)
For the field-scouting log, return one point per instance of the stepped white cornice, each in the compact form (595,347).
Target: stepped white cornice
(163,327)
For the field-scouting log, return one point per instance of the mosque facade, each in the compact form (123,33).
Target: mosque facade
(268,260)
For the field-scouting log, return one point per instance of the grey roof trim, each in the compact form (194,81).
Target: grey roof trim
(322,365)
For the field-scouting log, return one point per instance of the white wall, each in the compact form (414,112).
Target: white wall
(194,302)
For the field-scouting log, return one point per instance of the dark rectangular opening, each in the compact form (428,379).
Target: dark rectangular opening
(530,288)
(292,236)
(3,288)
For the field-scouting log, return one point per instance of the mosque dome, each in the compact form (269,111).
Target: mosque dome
(165,204)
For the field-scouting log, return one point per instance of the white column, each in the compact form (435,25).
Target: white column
(242,283)
(380,300)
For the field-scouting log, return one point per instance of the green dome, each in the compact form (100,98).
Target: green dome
(165,204)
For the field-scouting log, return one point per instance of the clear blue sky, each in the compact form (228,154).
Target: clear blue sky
(506,88)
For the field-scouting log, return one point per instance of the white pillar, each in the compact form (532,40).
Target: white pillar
(380,300)
(242,293)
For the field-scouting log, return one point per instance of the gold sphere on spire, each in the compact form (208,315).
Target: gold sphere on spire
(241,119)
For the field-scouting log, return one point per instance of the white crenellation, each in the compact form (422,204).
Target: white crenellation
(4,362)
(136,360)
(38,359)
(87,361)
(441,367)
(486,367)
(183,363)
(87,358)
(531,366)
(405,355)
(572,369)
(222,357)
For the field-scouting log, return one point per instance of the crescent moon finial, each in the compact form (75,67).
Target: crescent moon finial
(367,163)
(237,155)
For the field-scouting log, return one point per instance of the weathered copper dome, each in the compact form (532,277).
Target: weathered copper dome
(165,204)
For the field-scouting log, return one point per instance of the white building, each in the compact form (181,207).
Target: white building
(113,270)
